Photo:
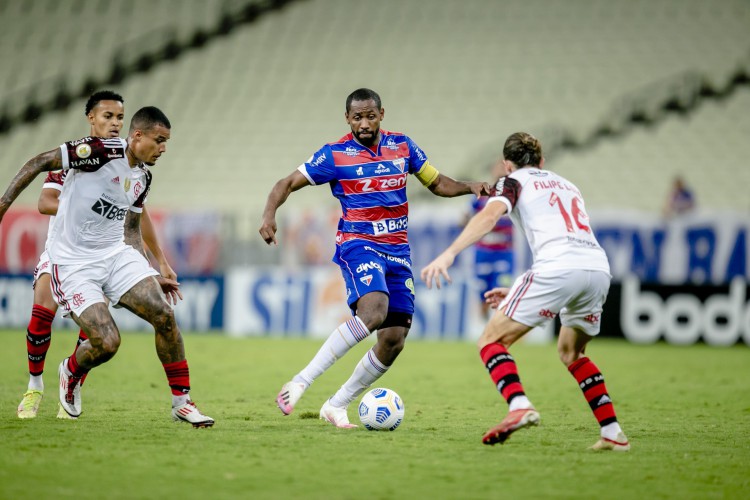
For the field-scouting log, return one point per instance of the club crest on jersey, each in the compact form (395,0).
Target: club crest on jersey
(367,279)
(399,163)
(83,151)
(127,184)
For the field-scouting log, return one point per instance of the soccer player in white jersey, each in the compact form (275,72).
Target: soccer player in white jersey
(569,276)
(105,113)
(96,251)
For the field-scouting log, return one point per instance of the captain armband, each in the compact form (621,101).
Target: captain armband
(427,174)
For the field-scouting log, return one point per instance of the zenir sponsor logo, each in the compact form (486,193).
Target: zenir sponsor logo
(108,210)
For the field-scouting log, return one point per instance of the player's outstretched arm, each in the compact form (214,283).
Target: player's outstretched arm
(448,187)
(51,160)
(278,195)
(479,225)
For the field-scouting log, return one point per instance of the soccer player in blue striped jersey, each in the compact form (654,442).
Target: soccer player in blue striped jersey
(367,171)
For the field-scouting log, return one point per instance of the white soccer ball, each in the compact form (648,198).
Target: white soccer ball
(381,410)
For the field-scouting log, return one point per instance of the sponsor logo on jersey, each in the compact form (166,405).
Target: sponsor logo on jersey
(366,279)
(368,266)
(85,161)
(538,173)
(318,161)
(382,169)
(420,153)
(351,151)
(400,163)
(360,171)
(389,183)
(116,180)
(83,151)
(80,141)
(391,144)
(108,210)
(390,225)
(392,258)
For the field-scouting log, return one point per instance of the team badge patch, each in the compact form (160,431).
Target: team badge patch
(367,279)
(410,285)
(127,184)
(83,151)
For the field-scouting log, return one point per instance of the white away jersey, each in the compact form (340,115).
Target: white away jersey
(54,180)
(551,212)
(99,189)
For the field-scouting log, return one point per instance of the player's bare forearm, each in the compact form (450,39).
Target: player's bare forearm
(479,225)
(150,238)
(132,232)
(278,195)
(51,160)
(49,200)
(448,187)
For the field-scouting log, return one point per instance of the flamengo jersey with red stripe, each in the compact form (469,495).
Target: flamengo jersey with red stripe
(371,187)
(550,211)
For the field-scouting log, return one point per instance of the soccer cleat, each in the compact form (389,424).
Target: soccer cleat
(288,396)
(190,413)
(517,419)
(336,416)
(62,414)
(29,404)
(70,391)
(619,444)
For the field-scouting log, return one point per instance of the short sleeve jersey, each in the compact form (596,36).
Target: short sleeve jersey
(550,211)
(371,187)
(100,187)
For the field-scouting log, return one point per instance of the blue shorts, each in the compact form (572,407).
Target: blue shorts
(493,268)
(367,270)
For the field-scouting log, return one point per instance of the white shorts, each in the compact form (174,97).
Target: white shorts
(79,286)
(43,267)
(575,294)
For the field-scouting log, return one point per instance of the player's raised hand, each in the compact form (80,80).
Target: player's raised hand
(495,296)
(171,289)
(268,230)
(437,268)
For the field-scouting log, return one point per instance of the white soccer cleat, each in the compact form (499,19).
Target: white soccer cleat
(619,444)
(335,415)
(30,404)
(288,396)
(70,392)
(190,413)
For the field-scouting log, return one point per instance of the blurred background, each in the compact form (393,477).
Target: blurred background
(644,105)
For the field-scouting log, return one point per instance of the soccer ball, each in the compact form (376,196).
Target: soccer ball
(381,410)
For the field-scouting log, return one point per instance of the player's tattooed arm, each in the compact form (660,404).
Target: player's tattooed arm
(448,187)
(51,160)
(133,231)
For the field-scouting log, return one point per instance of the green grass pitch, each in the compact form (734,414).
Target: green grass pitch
(686,411)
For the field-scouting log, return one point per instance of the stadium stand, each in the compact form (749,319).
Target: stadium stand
(456,76)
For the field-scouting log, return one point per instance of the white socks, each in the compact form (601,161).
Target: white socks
(368,370)
(610,431)
(520,403)
(36,383)
(343,338)
(180,400)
